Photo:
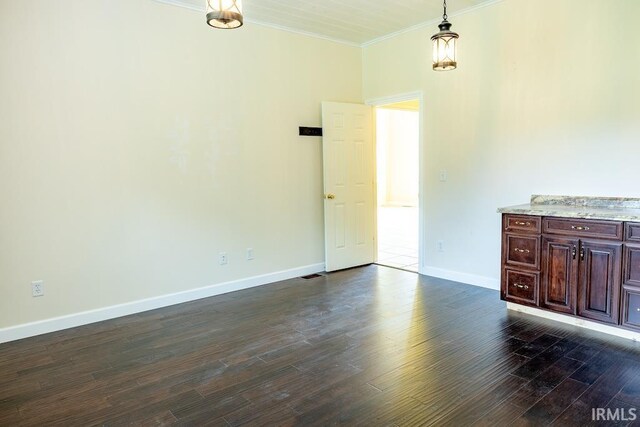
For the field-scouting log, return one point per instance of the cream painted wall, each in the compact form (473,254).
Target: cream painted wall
(397,135)
(546,99)
(136,143)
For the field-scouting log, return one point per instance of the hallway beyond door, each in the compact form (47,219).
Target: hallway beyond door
(398,237)
(398,184)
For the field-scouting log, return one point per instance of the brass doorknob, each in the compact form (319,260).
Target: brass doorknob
(330,196)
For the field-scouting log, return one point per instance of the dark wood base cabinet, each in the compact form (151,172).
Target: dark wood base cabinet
(581,267)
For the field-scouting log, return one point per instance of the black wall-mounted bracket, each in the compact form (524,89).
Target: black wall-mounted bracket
(307,131)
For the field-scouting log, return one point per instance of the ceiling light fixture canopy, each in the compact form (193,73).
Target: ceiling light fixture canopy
(444,45)
(225,14)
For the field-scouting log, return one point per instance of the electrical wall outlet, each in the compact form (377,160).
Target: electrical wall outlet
(250,254)
(37,288)
(443,175)
(222,258)
(440,246)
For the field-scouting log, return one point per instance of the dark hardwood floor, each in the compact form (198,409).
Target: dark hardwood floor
(368,346)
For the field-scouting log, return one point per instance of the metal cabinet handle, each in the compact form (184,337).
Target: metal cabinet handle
(522,223)
(330,196)
(522,251)
(573,252)
(579,228)
(582,253)
(519,286)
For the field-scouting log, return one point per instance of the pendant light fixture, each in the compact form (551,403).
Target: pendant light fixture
(226,14)
(444,45)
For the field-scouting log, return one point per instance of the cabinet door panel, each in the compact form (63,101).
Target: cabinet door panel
(560,266)
(599,284)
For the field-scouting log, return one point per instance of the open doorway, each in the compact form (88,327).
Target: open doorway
(398,178)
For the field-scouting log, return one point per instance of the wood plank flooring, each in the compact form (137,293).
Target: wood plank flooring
(368,346)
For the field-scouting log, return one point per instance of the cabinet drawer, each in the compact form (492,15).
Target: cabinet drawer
(522,224)
(521,286)
(632,232)
(631,265)
(631,307)
(522,251)
(586,228)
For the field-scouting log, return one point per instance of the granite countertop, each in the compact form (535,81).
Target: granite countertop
(605,208)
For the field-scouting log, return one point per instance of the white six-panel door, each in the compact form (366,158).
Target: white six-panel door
(348,156)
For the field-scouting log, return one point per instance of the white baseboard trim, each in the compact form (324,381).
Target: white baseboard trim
(469,279)
(575,321)
(27,330)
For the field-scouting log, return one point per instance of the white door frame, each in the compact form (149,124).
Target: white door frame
(378,102)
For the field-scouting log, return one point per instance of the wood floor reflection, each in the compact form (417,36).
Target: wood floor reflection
(367,346)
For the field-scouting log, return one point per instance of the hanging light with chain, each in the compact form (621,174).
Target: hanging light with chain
(226,14)
(444,45)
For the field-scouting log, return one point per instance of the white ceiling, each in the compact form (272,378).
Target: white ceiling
(350,21)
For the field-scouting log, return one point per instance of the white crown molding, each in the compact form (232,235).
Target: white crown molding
(183,5)
(430,23)
(178,3)
(304,33)
(27,330)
